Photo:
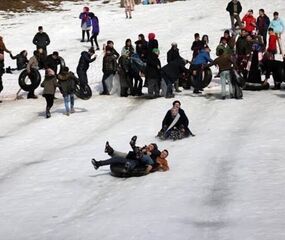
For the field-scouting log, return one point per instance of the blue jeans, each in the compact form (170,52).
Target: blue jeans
(132,163)
(68,100)
(226,77)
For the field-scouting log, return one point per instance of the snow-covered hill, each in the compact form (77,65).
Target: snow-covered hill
(226,183)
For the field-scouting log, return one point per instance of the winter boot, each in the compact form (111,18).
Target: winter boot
(133,141)
(48,115)
(108,149)
(176,86)
(8,70)
(95,164)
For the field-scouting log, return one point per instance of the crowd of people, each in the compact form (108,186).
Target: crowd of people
(249,48)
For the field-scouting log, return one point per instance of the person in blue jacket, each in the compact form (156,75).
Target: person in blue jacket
(85,23)
(95,29)
(278,27)
(201,59)
(277,24)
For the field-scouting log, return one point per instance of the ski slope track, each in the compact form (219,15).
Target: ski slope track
(227,183)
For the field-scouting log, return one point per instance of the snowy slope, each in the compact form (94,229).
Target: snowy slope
(226,183)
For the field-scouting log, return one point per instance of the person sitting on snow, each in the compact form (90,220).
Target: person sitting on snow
(175,125)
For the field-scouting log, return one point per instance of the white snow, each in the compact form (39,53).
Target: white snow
(226,183)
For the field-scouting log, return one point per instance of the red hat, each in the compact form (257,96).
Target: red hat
(151,36)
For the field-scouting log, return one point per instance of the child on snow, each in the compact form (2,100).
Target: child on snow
(85,23)
(272,43)
(66,83)
(49,84)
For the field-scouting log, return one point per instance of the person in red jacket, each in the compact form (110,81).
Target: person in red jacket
(249,21)
(272,43)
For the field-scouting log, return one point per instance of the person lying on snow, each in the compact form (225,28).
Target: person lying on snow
(148,156)
(175,124)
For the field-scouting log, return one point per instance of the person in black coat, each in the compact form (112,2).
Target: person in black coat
(172,55)
(52,61)
(83,65)
(276,68)
(234,8)
(262,24)
(197,45)
(2,71)
(152,43)
(153,67)
(171,72)
(175,125)
(21,60)
(141,47)
(41,39)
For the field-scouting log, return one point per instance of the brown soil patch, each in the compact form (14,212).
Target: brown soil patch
(31,5)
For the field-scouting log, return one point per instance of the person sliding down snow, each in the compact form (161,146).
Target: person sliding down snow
(138,157)
(174,125)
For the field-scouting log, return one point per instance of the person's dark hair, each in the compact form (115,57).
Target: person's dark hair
(91,50)
(261,10)
(91,15)
(176,101)
(127,40)
(227,32)
(36,53)
(220,52)
(270,29)
(142,36)
(40,28)
(22,52)
(166,151)
(110,41)
(55,53)
(275,13)
(205,36)
(196,35)
(154,146)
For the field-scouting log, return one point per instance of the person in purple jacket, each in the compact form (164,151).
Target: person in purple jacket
(95,29)
(85,23)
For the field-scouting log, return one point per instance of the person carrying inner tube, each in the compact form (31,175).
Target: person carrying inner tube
(201,59)
(83,65)
(33,64)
